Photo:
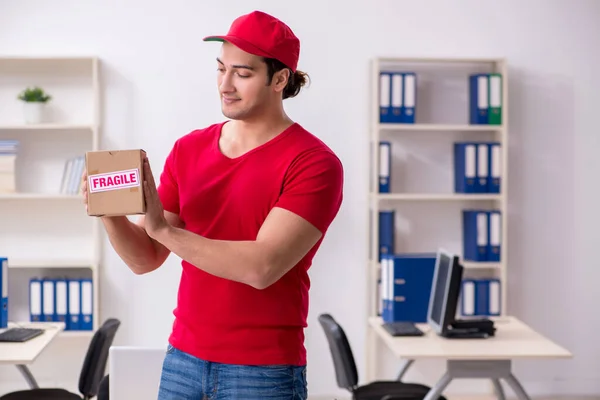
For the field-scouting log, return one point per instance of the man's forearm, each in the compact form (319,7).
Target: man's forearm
(240,261)
(132,244)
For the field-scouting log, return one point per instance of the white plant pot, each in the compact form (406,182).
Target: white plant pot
(33,112)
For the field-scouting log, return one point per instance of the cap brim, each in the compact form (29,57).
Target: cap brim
(214,39)
(241,43)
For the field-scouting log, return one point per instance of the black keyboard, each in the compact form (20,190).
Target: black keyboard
(402,328)
(19,334)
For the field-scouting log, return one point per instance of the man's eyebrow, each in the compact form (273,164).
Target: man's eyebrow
(237,65)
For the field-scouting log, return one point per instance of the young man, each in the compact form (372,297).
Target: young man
(245,203)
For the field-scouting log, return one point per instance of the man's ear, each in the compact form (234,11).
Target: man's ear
(280,79)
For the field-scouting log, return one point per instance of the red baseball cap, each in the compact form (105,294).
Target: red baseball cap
(263,35)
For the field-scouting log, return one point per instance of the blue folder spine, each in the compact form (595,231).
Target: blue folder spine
(475,235)
(495,167)
(478,99)
(3,292)
(465,167)
(409,97)
(494,235)
(387,232)
(385,166)
(385,98)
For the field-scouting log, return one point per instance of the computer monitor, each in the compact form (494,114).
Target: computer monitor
(445,291)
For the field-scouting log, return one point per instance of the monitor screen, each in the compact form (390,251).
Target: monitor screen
(445,290)
(439,288)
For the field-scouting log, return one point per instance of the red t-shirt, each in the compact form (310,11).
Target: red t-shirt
(228,199)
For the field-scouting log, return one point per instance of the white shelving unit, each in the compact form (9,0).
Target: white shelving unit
(428,211)
(45,232)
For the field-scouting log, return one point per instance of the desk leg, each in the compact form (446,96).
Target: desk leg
(403,368)
(28,376)
(479,369)
(436,391)
(498,389)
(516,386)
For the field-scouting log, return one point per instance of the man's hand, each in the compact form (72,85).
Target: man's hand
(154,219)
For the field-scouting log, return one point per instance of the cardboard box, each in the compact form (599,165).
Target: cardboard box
(115,182)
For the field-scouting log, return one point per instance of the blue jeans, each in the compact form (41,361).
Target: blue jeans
(185,377)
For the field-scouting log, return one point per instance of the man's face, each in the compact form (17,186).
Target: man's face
(241,79)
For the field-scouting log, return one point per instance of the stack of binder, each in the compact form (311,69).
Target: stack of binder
(482,235)
(8,158)
(485,99)
(397,97)
(480,297)
(62,300)
(406,281)
(477,167)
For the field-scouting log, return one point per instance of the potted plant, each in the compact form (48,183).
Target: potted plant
(34,100)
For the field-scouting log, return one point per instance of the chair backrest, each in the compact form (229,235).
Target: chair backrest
(343,360)
(103,389)
(94,364)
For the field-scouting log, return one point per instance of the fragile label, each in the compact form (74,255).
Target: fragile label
(114,180)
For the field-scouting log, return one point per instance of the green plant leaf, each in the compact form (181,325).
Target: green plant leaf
(34,94)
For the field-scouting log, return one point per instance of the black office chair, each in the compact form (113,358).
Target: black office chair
(103,390)
(347,374)
(91,374)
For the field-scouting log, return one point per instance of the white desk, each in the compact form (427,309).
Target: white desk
(474,358)
(25,353)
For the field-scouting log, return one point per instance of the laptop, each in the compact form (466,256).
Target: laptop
(134,372)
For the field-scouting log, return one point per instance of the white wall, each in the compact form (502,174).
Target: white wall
(159,82)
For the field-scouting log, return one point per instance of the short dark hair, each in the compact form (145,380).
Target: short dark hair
(297,80)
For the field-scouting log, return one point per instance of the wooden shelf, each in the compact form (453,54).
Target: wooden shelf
(49,263)
(38,59)
(39,196)
(465,264)
(481,265)
(440,60)
(47,127)
(440,127)
(436,196)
